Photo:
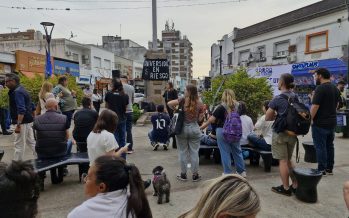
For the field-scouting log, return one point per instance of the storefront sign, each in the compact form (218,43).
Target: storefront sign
(156,69)
(305,65)
(272,73)
(64,66)
(30,62)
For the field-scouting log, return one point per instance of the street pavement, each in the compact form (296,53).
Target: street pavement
(58,200)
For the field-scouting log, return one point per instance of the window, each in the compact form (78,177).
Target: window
(107,64)
(75,57)
(281,49)
(216,66)
(261,53)
(230,59)
(316,42)
(98,62)
(244,56)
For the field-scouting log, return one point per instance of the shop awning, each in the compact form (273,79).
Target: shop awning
(335,66)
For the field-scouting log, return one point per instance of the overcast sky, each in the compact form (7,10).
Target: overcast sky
(203,24)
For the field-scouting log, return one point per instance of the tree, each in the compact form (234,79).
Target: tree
(253,91)
(33,86)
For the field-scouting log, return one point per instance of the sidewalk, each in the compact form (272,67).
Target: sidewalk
(57,200)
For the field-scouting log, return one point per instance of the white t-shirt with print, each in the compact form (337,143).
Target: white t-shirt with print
(110,204)
(99,144)
(247,128)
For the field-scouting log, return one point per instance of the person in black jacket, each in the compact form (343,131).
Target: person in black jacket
(21,111)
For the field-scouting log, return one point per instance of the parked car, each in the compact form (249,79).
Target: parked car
(138,98)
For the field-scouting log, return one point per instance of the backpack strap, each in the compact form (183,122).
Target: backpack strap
(297,151)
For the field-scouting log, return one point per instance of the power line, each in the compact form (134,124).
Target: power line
(120,8)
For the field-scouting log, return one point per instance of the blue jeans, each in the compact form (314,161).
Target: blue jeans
(208,140)
(323,141)
(258,142)
(120,135)
(129,122)
(154,140)
(226,149)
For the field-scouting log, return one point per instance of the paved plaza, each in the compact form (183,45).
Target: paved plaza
(58,200)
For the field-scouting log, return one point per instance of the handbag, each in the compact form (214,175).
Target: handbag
(178,120)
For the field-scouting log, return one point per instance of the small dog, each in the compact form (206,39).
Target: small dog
(161,184)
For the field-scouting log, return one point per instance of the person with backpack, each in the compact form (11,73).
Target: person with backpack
(189,137)
(283,143)
(229,132)
(323,110)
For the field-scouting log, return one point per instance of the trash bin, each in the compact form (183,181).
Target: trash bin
(343,122)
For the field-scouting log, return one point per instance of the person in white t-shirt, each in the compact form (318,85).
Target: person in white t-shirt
(115,189)
(101,140)
(246,123)
(261,138)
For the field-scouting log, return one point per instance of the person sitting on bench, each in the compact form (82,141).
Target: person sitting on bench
(52,135)
(19,192)
(160,133)
(84,121)
(210,139)
(262,137)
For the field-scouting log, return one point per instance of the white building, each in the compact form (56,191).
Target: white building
(314,33)
(94,62)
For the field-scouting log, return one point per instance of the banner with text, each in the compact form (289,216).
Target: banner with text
(156,69)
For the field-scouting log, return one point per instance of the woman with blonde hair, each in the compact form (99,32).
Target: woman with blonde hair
(227,196)
(188,140)
(228,105)
(44,94)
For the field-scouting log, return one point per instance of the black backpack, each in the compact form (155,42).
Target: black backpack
(296,120)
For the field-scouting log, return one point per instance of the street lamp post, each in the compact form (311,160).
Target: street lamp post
(220,56)
(48,34)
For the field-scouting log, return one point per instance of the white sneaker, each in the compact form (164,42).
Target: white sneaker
(243,174)
(156,146)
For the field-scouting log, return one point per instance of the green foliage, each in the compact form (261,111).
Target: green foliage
(4,98)
(33,86)
(136,113)
(253,91)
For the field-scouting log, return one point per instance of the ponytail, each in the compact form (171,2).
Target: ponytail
(137,204)
(116,174)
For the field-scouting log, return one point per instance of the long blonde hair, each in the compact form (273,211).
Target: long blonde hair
(229,99)
(45,88)
(227,195)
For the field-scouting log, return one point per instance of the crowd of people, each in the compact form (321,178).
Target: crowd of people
(115,187)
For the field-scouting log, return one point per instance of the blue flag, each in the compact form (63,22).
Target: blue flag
(48,67)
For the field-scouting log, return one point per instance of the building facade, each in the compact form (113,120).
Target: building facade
(320,33)
(93,62)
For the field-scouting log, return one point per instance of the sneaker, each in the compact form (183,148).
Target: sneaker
(182,177)
(130,151)
(243,174)
(329,172)
(293,190)
(324,174)
(196,177)
(156,147)
(147,183)
(165,147)
(281,190)
(153,144)
(7,133)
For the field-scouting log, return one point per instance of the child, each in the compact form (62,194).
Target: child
(160,133)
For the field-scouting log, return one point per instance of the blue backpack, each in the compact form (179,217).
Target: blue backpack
(232,128)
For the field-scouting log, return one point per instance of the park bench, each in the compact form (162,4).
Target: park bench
(56,166)
(207,150)
(254,159)
(1,154)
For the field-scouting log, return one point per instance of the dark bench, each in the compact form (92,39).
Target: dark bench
(207,150)
(1,154)
(254,159)
(58,164)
